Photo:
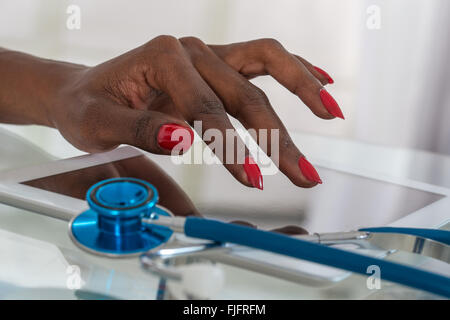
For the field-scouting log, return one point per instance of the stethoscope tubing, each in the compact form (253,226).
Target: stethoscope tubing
(120,232)
(277,243)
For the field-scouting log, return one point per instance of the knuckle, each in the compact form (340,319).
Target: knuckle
(165,58)
(286,141)
(164,41)
(210,107)
(270,49)
(305,84)
(194,46)
(254,96)
(144,127)
(162,50)
(251,100)
(270,44)
(192,42)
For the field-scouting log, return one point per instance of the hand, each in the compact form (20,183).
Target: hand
(143,96)
(290,230)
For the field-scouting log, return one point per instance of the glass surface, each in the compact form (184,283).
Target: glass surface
(343,202)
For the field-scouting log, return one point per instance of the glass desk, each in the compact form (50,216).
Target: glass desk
(42,262)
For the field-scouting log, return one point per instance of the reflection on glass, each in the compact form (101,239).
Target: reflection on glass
(76,183)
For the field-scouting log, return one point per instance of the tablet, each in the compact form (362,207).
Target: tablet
(347,200)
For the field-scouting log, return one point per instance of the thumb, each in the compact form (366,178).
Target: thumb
(152,131)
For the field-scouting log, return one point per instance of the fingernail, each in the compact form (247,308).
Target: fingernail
(183,138)
(325,74)
(330,104)
(253,173)
(308,171)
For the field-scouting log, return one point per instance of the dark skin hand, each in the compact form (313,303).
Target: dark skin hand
(126,100)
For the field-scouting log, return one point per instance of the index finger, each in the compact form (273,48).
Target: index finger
(195,100)
(268,56)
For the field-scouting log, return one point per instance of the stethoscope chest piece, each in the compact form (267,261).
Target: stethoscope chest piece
(113,224)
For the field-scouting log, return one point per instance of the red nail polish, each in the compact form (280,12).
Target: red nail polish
(253,173)
(325,74)
(330,104)
(308,171)
(184,137)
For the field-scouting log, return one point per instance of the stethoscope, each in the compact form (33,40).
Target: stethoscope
(124,220)
(114,226)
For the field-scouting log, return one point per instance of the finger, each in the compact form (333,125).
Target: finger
(171,195)
(317,72)
(287,230)
(290,230)
(258,69)
(250,106)
(152,131)
(269,56)
(196,101)
(164,104)
(224,51)
(244,223)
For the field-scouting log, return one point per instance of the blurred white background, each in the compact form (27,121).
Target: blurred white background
(391,81)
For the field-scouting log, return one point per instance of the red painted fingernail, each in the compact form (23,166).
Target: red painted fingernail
(168,138)
(325,74)
(330,104)
(253,173)
(308,171)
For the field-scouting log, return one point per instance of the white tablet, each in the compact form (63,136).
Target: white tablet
(346,201)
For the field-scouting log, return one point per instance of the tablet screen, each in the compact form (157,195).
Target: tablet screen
(343,202)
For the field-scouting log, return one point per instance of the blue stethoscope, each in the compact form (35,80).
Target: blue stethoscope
(113,225)
(125,220)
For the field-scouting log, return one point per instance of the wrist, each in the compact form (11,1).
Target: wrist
(30,87)
(63,80)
